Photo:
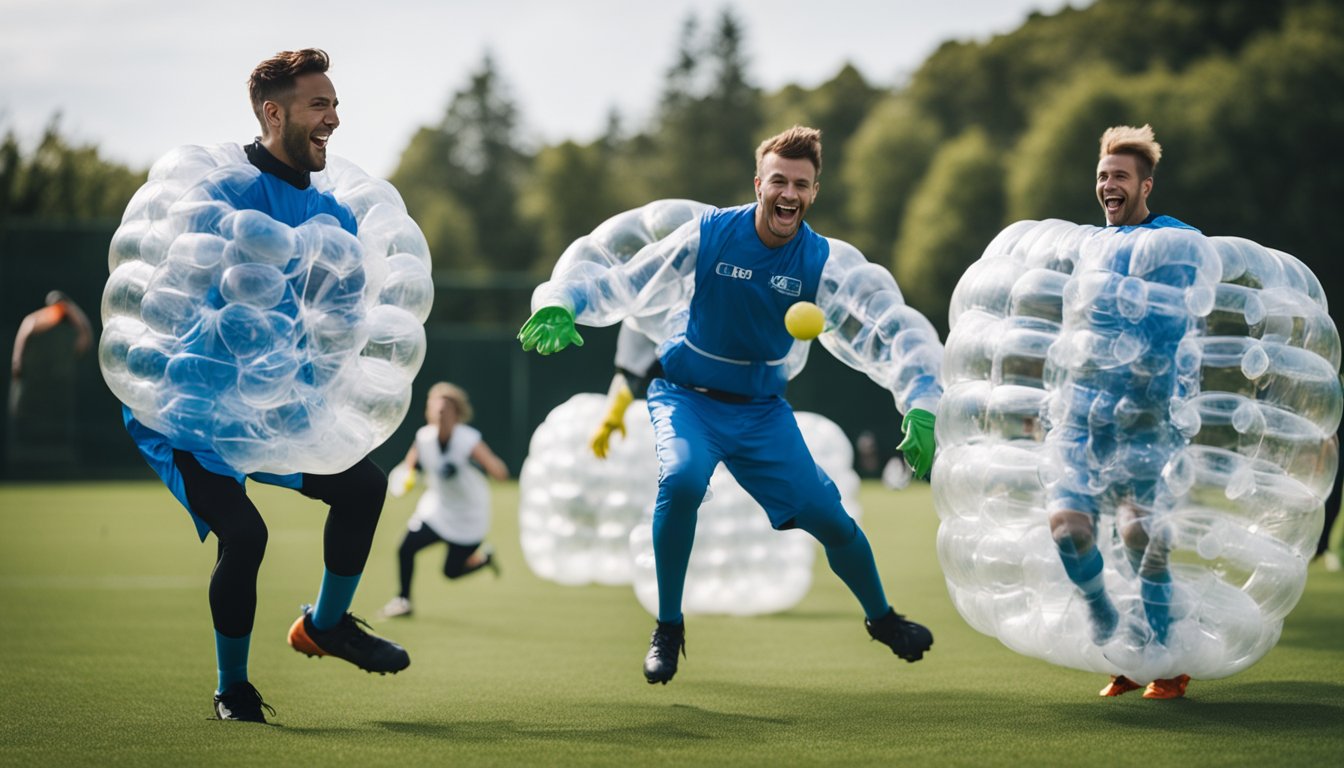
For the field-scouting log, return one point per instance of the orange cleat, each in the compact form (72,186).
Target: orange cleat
(1119,685)
(1172,688)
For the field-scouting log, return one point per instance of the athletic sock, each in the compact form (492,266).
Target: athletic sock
(854,564)
(1155,590)
(1083,570)
(231,657)
(334,599)
(673,537)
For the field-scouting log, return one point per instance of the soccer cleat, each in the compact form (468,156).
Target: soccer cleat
(905,638)
(241,702)
(1169,688)
(1118,686)
(661,662)
(397,606)
(348,640)
(490,561)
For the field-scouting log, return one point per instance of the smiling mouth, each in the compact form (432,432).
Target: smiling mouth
(786,212)
(1112,204)
(319,140)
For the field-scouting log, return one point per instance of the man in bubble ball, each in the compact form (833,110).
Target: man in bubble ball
(295,103)
(720,394)
(1124,181)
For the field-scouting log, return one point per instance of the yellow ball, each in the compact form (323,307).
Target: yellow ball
(804,321)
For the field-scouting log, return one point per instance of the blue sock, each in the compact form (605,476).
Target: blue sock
(231,657)
(673,537)
(1081,569)
(334,598)
(854,564)
(1155,589)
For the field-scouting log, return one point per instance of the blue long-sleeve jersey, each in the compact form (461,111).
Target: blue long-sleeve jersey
(735,339)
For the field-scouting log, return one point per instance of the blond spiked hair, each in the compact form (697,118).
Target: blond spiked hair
(1128,140)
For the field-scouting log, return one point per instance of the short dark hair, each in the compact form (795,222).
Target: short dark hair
(273,79)
(797,143)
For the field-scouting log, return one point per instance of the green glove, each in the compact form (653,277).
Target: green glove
(549,329)
(918,443)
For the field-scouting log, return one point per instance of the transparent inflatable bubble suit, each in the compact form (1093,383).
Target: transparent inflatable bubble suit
(584,519)
(282,349)
(1186,388)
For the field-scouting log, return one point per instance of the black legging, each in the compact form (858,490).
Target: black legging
(356,500)
(454,565)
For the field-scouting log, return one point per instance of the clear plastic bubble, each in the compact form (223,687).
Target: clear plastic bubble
(585,520)
(230,331)
(408,285)
(1189,392)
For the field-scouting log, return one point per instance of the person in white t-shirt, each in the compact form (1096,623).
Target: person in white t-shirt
(455,507)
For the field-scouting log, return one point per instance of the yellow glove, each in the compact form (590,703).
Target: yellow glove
(614,422)
(400,480)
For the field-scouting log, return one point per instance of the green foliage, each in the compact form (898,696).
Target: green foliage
(956,211)
(1264,160)
(886,160)
(474,160)
(1050,171)
(995,84)
(61,180)
(708,119)
(1245,96)
(570,194)
(837,107)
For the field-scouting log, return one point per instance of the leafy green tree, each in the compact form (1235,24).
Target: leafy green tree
(474,159)
(423,178)
(1050,173)
(1265,165)
(884,163)
(568,196)
(837,107)
(709,116)
(995,84)
(62,180)
(956,211)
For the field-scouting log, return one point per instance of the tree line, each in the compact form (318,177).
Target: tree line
(1246,97)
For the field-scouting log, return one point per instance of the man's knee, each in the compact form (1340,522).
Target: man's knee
(682,489)
(832,527)
(363,485)
(1072,529)
(245,540)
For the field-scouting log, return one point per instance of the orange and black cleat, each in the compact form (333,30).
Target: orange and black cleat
(348,640)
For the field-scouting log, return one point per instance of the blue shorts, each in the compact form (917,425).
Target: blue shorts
(758,441)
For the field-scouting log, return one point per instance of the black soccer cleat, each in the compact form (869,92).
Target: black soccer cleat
(241,702)
(348,640)
(905,638)
(666,642)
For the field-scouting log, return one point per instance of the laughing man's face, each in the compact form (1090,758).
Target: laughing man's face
(785,189)
(308,122)
(1123,194)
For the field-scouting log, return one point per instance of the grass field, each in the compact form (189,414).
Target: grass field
(107,658)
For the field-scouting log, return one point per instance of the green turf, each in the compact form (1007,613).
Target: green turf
(107,658)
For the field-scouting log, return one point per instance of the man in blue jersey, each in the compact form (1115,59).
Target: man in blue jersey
(719,397)
(295,103)
(1124,181)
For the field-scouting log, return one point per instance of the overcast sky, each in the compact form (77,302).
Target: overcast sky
(138,77)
